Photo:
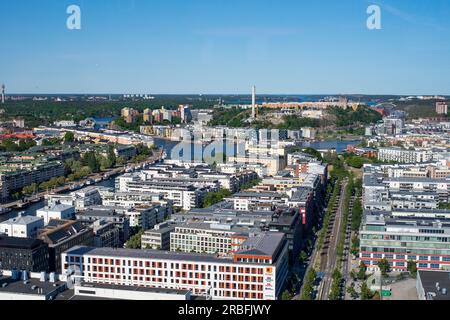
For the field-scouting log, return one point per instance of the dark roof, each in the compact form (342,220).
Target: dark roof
(61,233)
(19,243)
(19,287)
(429,280)
(143,254)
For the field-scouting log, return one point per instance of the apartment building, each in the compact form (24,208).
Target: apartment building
(414,200)
(284,220)
(61,235)
(80,199)
(257,201)
(257,271)
(23,254)
(22,226)
(206,238)
(14,179)
(147,217)
(59,211)
(131,199)
(404,155)
(109,215)
(272,163)
(157,238)
(183,194)
(106,234)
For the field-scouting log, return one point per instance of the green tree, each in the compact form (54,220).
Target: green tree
(355,245)
(355,161)
(112,155)
(30,189)
(90,160)
(366,293)
(105,162)
(352,292)
(135,241)
(308,285)
(214,197)
(121,161)
(286,295)
(362,271)
(313,152)
(384,266)
(303,257)
(51,142)
(69,137)
(412,268)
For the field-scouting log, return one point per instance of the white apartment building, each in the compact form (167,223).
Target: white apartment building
(59,211)
(184,195)
(22,227)
(404,156)
(202,238)
(131,199)
(147,217)
(157,238)
(272,163)
(256,271)
(80,199)
(249,201)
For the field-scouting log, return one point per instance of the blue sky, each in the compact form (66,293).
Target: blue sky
(225,46)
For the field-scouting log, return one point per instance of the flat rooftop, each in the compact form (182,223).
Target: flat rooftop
(145,254)
(18,286)
(133,288)
(429,279)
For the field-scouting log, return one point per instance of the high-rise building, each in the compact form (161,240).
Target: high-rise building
(3,93)
(441,107)
(129,115)
(254,102)
(148,116)
(185,113)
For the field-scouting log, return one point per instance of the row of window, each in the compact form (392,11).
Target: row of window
(404,257)
(403,264)
(100,262)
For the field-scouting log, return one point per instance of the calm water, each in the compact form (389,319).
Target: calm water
(168,146)
(338,145)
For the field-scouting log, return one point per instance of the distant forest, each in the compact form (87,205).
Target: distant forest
(419,108)
(38,113)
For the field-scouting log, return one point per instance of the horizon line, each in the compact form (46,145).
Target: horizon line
(228,94)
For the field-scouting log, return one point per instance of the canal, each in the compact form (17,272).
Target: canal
(338,145)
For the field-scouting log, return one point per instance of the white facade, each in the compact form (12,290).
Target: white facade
(128,293)
(404,156)
(60,212)
(22,227)
(219,278)
(201,239)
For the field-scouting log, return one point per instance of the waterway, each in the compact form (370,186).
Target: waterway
(168,145)
(339,145)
